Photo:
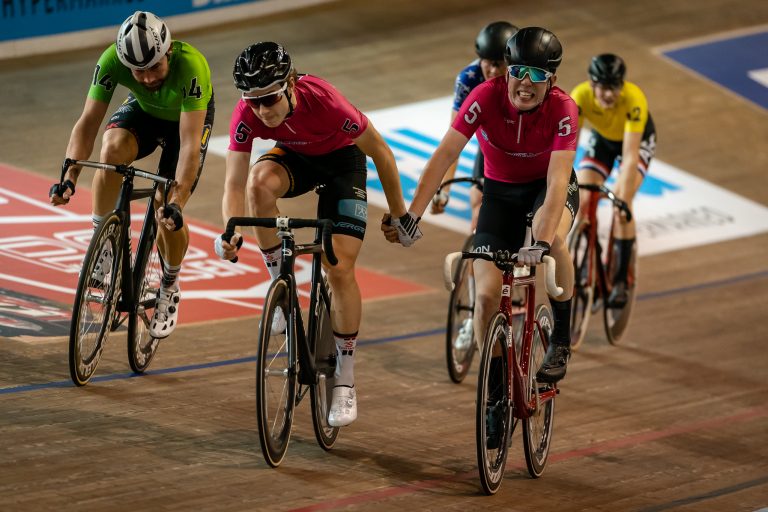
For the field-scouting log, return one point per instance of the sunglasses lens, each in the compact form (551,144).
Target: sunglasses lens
(536,74)
(267,101)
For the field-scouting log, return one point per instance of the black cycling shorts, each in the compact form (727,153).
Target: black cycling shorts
(502,220)
(601,153)
(343,172)
(151,132)
(478,170)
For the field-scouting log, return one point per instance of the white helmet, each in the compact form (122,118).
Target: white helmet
(143,39)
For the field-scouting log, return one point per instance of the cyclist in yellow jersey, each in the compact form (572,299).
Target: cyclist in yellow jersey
(170,105)
(622,129)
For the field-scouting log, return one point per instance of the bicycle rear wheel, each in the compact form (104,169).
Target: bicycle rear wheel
(459,334)
(322,392)
(538,427)
(276,375)
(493,416)
(584,282)
(147,275)
(95,299)
(616,320)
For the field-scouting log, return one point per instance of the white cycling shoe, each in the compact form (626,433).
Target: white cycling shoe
(279,323)
(166,314)
(464,338)
(343,406)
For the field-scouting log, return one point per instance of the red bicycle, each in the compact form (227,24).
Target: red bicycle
(595,270)
(507,389)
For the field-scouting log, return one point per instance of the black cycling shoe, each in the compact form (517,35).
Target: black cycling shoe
(618,297)
(555,363)
(493,426)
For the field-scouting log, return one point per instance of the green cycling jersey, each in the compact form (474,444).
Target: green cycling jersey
(186,88)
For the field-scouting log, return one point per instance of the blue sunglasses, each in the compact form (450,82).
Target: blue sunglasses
(537,75)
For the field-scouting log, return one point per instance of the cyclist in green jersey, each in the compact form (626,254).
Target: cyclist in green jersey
(170,104)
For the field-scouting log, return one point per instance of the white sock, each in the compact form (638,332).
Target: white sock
(345,359)
(272,259)
(170,275)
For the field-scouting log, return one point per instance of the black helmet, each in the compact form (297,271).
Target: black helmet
(492,40)
(534,46)
(261,65)
(608,69)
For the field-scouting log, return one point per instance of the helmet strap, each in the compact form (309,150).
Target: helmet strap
(290,103)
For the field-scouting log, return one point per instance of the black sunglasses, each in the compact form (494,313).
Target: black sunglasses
(267,100)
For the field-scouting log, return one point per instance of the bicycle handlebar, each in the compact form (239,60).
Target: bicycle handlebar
(475,181)
(605,191)
(286,224)
(125,170)
(503,262)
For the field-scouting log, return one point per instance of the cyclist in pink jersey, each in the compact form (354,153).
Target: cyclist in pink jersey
(321,138)
(527,131)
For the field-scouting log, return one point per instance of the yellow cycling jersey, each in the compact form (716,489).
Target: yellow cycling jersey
(629,114)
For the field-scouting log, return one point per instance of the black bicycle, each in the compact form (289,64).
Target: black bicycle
(294,361)
(107,295)
(460,343)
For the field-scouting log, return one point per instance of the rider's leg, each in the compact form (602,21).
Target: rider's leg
(267,182)
(346,311)
(555,362)
(475,200)
(624,236)
(118,146)
(487,299)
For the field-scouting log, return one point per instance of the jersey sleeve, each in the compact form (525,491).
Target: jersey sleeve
(637,111)
(470,115)
(565,116)
(581,94)
(196,87)
(346,118)
(241,134)
(106,76)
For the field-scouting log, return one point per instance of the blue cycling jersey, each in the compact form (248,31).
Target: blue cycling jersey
(469,78)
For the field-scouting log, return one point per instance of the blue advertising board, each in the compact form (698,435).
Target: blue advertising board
(739,63)
(21,19)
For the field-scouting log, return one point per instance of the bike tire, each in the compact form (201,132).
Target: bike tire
(95,301)
(584,282)
(493,411)
(461,305)
(538,427)
(276,371)
(616,320)
(325,360)
(147,275)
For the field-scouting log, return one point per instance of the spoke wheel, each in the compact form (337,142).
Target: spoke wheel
(616,320)
(537,428)
(95,300)
(493,416)
(148,275)
(584,282)
(459,333)
(276,376)
(322,392)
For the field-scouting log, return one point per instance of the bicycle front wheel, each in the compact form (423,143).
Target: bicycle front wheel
(615,319)
(95,299)
(325,361)
(537,428)
(584,282)
(493,417)
(276,371)
(147,275)
(459,333)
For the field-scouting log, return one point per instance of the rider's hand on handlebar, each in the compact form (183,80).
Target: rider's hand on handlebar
(61,192)
(533,254)
(228,250)
(440,201)
(170,217)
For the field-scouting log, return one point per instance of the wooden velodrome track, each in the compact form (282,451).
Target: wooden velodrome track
(675,419)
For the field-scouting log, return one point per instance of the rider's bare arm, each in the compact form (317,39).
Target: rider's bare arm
(84,133)
(558,176)
(372,144)
(446,154)
(190,129)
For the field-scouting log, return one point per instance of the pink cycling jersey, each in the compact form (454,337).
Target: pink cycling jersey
(517,145)
(322,121)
